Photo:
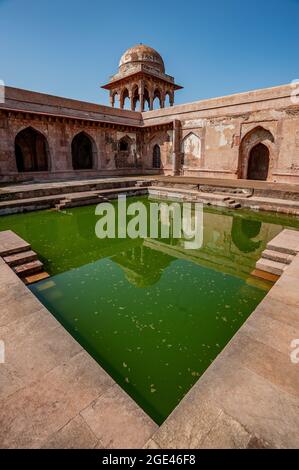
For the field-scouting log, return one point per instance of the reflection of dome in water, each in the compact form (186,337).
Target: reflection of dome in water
(142,280)
(142,266)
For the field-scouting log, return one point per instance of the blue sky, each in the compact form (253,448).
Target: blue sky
(213,48)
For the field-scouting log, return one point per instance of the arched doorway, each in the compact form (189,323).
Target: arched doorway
(31,151)
(258,163)
(257,150)
(82,152)
(122,158)
(156,156)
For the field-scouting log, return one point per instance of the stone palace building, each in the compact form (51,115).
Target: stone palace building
(252,135)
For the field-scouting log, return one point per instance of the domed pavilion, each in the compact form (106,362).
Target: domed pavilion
(141,79)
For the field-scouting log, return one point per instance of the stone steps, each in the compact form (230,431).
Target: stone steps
(286,242)
(27,269)
(266,276)
(65,200)
(277,256)
(94,197)
(279,253)
(17,254)
(58,189)
(36,277)
(20,258)
(285,206)
(232,204)
(209,198)
(273,267)
(11,243)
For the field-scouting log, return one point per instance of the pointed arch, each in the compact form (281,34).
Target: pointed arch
(125,99)
(157,99)
(191,150)
(135,97)
(146,98)
(84,152)
(156,156)
(255,154)
(124,152)
(31,150)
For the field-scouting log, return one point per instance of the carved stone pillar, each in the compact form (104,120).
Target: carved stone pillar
(171,99)
(141,96)
(176,155)
(121,101)
(131,98)
(151,98)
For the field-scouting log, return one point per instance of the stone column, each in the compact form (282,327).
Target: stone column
(151,99)
(131,98)
(121,100)
(141,95)
(112,99)
(141,102)
(171,99)
(176,155)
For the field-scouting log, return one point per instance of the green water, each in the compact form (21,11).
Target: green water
(152,313)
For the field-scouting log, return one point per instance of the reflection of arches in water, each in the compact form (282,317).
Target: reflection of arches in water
(243,231)
(85,225)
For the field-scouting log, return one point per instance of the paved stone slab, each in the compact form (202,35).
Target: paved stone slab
(55,346)
(36,277)
(20,258)
(74,435)
(34,413)
(273,267)
(286,242)
(226,433)
(11,243)
(27,269)
(265,275)
(118,421)
(271,362)
(277,256)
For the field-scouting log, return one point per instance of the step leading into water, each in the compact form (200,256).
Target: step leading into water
(273,267)
(286,241)
(11,243)
(27,269)
(36,277)
(277,256)
(20,258)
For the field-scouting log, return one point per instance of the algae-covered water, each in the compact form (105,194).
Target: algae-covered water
(152,313)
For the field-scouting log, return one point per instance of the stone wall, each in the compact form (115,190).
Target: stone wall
(229,127)
(209,138)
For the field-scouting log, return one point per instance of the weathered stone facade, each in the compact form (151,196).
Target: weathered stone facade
(252,135)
